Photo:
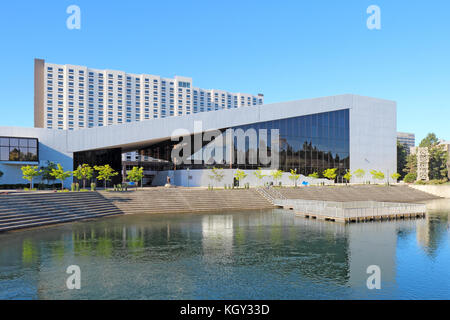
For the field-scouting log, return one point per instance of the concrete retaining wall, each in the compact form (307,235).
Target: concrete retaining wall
(437,190)
(200,178)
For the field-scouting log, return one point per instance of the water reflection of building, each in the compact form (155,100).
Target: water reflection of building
(372,244)
(217,236)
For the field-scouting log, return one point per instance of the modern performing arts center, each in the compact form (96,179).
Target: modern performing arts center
(347,132)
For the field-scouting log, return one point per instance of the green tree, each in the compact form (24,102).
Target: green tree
(240,176)
(294,176)
(60,174)
(314,175)
(377,175)
(46,172)
(395,176)
(330,173)
(437,166)
(276,175)
(136,174)
(411,164)
(105,173)
(347,176)
(83,172)
(259,175)
(430,140)
(216,174)
(29,173)
(401,159)
(359,173)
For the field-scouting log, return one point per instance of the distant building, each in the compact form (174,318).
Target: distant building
(423,160)
(407,139)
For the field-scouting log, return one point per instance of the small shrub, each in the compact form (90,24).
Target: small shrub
(410,177)
(93,186)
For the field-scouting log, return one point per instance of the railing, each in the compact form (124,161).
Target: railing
(357,209)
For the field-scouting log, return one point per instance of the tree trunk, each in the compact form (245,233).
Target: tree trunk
(62,185)
(84,183)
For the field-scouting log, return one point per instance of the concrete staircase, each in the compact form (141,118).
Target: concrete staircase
(19,211)
(392,193)
(173,200)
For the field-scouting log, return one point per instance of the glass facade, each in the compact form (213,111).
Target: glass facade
(19,149)
(113,157)
(310,143)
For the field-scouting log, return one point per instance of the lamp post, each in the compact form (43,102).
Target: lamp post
(188,177)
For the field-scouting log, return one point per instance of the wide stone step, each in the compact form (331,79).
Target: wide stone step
(54,218)
(20,217)
(50,222)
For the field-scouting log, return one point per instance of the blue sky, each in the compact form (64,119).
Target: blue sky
(287,50)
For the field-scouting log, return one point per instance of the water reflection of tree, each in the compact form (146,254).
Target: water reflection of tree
(432,234)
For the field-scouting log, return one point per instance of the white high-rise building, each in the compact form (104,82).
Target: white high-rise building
(69,97)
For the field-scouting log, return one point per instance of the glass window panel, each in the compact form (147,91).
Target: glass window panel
(4,153)
(342,119)
(13,142)
(32,154)
(277,124)
(4,142)
(319,119)
(14,154)
(303,127)
(324,131)
(325,119)
(336,119)
(32,143)
(282,126)
(23,143)
(346,118)
(308,158)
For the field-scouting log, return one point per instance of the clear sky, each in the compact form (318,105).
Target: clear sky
(287,50)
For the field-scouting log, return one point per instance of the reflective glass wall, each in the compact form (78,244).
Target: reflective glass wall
(311,143)
(19,149)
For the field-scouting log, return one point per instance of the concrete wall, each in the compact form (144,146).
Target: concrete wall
(373,136)
(437,190)
(52,147)
(200,178)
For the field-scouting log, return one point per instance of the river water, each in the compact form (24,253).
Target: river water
(269,254)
